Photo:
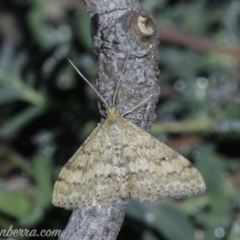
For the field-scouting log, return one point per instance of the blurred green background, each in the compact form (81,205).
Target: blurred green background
(46,112)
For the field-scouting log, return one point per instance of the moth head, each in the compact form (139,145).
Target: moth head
(112,111)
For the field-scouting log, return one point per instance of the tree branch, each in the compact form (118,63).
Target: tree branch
(123,35)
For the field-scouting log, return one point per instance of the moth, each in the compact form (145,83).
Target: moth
(119,159)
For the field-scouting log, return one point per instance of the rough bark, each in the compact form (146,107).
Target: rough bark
(120,40)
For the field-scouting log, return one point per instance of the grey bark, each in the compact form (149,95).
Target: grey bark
(118,42)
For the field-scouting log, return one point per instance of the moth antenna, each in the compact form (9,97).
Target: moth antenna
(141,103)
(118,83)
(93,88)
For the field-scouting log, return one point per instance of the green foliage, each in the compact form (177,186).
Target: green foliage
(14,203)
(47,112)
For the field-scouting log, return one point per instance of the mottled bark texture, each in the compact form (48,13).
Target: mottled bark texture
(124,37)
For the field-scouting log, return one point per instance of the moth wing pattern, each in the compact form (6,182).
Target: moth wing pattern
(88,177)
(155,170)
